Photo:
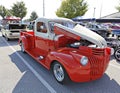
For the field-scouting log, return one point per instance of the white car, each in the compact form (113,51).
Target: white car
(12,30)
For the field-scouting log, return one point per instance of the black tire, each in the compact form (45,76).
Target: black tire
(117,54)
(3,35)
(7,39)
(22,47)
(59,73)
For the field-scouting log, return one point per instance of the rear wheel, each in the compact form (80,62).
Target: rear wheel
(22,47)
(59,73)
(117,54)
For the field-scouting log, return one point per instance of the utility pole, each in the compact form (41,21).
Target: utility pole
(94,13)
(101,9)
(43,8)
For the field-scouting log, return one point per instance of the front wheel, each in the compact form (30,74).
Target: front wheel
(3,35)
(117,54)
(59,73)
(7,38)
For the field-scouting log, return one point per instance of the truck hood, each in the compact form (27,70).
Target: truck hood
(82,32)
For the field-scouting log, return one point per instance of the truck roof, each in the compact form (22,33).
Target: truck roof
(44,19)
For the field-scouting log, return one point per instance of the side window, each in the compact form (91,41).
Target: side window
(51,24)
(41,27)
(6,27)
(92,26)
(97,27)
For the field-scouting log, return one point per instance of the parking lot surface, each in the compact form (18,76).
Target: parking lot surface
(20,73)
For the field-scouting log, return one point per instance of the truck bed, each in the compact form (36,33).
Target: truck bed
(29,39)
(30,46)
(30,33)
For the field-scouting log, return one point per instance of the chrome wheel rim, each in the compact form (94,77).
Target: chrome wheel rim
(58,72)
(117,54)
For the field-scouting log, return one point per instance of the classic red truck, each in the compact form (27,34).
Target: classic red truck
(68,49)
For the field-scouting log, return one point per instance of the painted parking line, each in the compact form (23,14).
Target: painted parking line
(118,67)
(32,69)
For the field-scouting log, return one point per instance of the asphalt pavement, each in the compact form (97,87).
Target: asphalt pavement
(20,73)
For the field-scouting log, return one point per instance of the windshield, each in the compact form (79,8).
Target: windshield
(68,24)
(16,26)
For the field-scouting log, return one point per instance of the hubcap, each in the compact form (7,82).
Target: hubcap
(22,47)
(117,54)
(58,72)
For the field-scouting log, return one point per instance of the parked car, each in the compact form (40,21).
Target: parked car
(12,30)
(115,30)
(101,30)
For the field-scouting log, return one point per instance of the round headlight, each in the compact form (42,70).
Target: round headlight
(84,60)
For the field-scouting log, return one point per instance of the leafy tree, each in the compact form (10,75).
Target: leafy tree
(33,16)
(8,12)
(72,8)
(118,7)
(19,9)
(3,11)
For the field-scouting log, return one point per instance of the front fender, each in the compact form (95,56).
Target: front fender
(69,61)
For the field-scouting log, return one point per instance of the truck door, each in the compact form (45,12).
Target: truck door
(41,38)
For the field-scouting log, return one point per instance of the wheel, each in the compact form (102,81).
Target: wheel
(3,35)
(22,47)
(59,73)
(117,54)
(7,38)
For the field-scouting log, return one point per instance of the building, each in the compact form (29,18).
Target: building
(114,15)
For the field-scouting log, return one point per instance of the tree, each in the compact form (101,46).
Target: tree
(19,9)
(8,12)
(118,7)
(3,11)
(72,8)
(33,16)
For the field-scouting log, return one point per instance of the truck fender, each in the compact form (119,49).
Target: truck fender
(24,41)
(67,61)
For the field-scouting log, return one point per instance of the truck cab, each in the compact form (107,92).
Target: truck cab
(70,50)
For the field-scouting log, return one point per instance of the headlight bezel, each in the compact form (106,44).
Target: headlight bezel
(84,61)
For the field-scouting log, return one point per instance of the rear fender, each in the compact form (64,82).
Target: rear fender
(24,41)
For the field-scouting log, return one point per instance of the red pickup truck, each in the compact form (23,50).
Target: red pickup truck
(68,49)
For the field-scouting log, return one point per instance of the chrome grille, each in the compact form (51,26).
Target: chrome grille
(98,62)
(96,66)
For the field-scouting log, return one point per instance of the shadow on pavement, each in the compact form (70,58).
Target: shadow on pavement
(11,42)
(30,84)
(103,85)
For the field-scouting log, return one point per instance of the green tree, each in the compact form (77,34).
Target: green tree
(33,16)
(3,11)
(8,12)
(72,8)
(118,7)
(19,9)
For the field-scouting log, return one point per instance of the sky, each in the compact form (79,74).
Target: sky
(96,8)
